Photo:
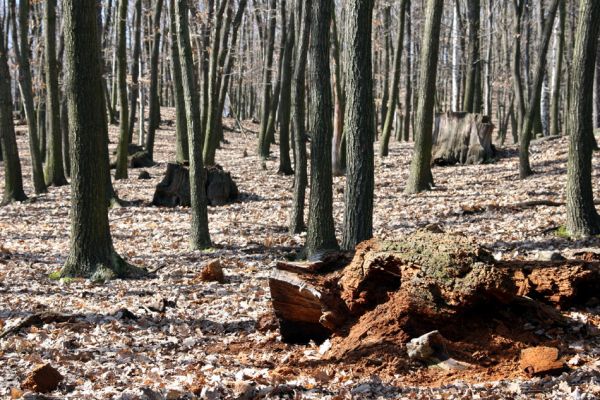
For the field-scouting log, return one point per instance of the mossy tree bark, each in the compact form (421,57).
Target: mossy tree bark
(21,46)
(321,231)
(582,217)
(13,179)
(359,122)
(91,250)
(395,87)
(300,175)
(421,178)
(55,173)
(536,92)
(121,172)
(199,236)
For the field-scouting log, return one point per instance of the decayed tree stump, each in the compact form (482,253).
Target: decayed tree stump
(462,138)
(413,285)
(174,189)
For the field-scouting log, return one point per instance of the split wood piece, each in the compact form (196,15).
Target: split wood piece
(462,138)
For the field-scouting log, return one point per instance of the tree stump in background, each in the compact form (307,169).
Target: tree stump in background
(174,189)
(462,138)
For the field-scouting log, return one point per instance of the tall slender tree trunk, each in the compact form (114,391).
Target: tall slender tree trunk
(456,57)
(135,69)
(395,87)
(21,44)
(91,250)
(55,173)
(408,77)
(321,231)
(285,164)
(13,179)
(360,128)
(525,134)
(300,179)
(472,99)
(121,172)
(420,177)
(200,236)
(582,217)
(154,108)
(263,142)
(559,46)
(338,150)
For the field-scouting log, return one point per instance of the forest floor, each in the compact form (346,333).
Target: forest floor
(206,342)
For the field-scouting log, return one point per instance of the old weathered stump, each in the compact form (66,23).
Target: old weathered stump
(137,157)
(462,138)
(425,281)
(174,189)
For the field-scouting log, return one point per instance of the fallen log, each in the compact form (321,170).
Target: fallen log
(422,282)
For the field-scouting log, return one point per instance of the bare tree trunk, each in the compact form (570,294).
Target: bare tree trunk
(135,69)
(557,71)
(263,142)
(456,57)
(121,172)
(420,177)
(582,217)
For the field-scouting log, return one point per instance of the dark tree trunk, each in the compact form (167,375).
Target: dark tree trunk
(135,69)
(200,236)
(91,250)
(359,123)
(420,177)
(516,63)
(582,218)
(395,88)
(408,84)
(285,164)
(557,76)
(272,122)
(321,231)
(154,106)
(13,179)
(525,133)
(121,172)
(472,99)
(21,44)
(183,152)
(300,179)
(55,173)
(263,142)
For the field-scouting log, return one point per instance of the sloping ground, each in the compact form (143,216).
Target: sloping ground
(206,341)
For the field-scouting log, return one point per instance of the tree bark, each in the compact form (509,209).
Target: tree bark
(285,164)
(154,100)
(420,177)
(582,217)
(21,45)
(91,250)
(395,87)
(263,142)
(13,179)
(135,69)
(321,231)
(121,172)
(55,173)
(359,122)
(559,44)
(525,134)
(300,179)
(200,236)
(472,99)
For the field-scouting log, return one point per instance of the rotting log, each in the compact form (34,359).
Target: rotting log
(462,138)
(174,189)
(422,282)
